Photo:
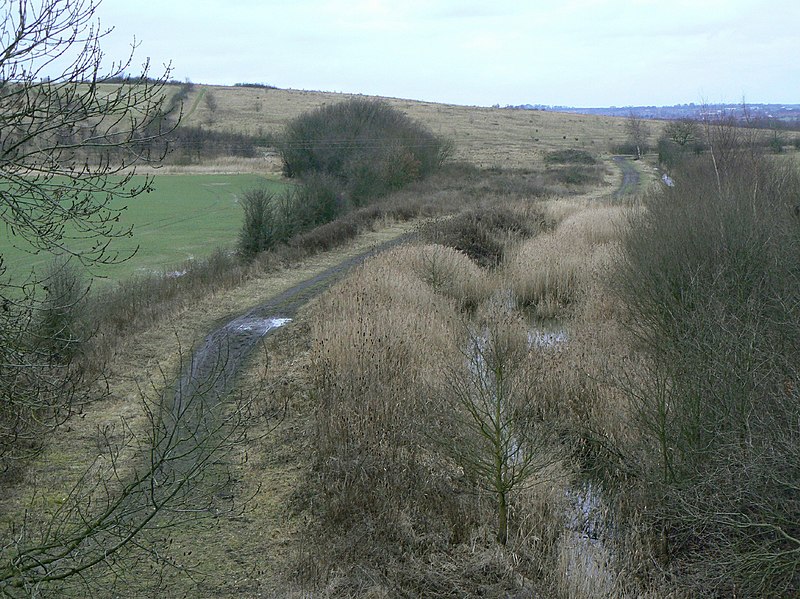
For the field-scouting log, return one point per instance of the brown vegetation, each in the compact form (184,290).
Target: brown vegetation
(477,413)
(486,137)
(394,390)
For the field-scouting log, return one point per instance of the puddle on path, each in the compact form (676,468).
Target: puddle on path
(258,326)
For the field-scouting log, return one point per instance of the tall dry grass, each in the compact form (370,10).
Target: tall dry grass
(383,340)
(553,271)
(370,337)
(392,506)
(374,342)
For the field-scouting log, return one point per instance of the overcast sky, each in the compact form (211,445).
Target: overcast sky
(478,52)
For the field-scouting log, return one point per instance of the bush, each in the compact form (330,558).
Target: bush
(776,143)
(258,230)
(370,148)
(576,174)
(628,149)
(321,199)
(483,233)
(712,283)
(271,219)
(345,155)
(569,156)
(60,327)
(670,154)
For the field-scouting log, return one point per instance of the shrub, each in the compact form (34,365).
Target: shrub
(60,327)
(569,156)
(321,199)
(628,149)
(576,174)
(483,233)
(369,147)
(777,142)
(325,237)
(670,154)
(271,219)
(258,229)
(711,282)
(572,167)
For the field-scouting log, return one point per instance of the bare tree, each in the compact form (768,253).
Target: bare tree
(72,128)
(638,131)
(683,131)
(500,437)
(66,132)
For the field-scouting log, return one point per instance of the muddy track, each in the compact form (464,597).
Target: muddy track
(630,177)
(212,371)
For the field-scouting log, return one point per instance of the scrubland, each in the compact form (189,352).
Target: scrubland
(550,390)
(401,511)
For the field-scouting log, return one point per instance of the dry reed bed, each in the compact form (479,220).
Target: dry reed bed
(552,271)
(381,343)
(369,339)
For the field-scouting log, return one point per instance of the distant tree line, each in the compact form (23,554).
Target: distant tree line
(193,144)
(256,85)
(685,137)
(127,79)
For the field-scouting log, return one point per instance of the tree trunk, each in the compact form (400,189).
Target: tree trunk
(502,518)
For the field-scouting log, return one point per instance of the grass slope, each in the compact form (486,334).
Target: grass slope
(485,136)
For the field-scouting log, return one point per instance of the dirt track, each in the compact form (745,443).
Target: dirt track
(215,364)
(630,177)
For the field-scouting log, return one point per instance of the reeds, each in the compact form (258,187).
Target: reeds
(552,271)
(383,343)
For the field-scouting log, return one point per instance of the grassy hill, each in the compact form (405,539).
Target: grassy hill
(486,137)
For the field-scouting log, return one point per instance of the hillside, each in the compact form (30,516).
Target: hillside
(486,137)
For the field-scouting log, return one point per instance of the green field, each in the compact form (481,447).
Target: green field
(185,217)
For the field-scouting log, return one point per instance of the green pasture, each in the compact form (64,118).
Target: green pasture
(184,218)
